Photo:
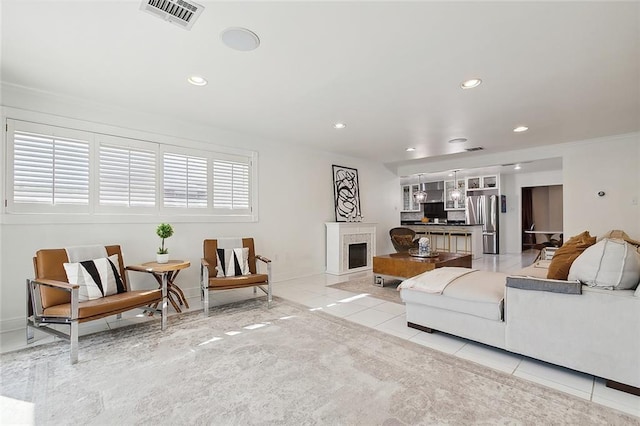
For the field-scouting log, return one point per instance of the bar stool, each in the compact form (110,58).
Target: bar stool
(456,237)
(440,241)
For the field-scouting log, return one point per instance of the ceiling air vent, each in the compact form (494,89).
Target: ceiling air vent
(475,148)
(179,12)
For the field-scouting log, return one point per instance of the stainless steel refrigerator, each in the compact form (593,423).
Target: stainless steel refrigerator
(483,209)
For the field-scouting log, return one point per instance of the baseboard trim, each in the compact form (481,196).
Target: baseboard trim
(13,324)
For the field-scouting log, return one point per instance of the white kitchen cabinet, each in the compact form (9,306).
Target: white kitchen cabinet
(449,203)
(408,202)
(480,183)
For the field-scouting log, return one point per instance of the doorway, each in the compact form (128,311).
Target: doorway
(541,216)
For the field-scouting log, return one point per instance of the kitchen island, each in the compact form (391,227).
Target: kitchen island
(451,237)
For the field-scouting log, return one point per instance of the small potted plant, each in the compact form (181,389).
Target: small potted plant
(164,230)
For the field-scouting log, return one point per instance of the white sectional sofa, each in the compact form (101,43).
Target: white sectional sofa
(594,331)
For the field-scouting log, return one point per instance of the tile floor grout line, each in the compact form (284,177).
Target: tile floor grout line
(518,365)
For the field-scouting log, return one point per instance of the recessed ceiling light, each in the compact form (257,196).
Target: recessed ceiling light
(339,126)
(521,129)
(410,149)
(197,80)
(458,140)
(450,174)
(240,39)
(471,83)
(517,167)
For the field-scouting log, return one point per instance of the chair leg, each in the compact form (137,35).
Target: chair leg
(204,289)
(30,334)
(205,302)
(255,290)
(73,326)
(269,289)
(73,339)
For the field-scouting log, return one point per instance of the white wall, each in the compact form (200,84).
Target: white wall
(612,166)
(295,200)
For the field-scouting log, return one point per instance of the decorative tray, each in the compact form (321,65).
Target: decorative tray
(414,253)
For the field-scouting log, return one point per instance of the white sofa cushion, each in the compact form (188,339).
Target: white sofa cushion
(480,293)
(610,264)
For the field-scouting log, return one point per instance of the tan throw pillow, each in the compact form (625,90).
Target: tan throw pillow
(565,255)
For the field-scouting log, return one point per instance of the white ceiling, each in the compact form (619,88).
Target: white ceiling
(390,70)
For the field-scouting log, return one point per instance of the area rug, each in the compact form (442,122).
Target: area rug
(389,292)
(246,364)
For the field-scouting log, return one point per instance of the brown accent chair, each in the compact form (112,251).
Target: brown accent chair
(208,272)
(403,239)
(52,300)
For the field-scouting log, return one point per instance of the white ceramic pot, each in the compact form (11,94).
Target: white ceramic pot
(162,258)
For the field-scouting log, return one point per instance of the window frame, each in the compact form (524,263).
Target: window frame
(98,134)
(188,153)
(53,131)
(125,143)
(233,159)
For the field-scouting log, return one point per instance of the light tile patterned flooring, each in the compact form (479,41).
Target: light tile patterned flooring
(390,318)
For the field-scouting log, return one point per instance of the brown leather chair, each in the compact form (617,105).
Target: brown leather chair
(403,239)
(208,272)
(52,300)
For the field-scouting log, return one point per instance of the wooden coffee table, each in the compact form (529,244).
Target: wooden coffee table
(403,265)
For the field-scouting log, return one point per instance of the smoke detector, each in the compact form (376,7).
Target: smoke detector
(180,12)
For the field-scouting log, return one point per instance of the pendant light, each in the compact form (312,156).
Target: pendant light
(455,193)
(420,196)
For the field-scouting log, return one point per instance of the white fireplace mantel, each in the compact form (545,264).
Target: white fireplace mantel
(339,236)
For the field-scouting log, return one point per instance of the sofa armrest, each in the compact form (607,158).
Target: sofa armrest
(544,284)
(595,333)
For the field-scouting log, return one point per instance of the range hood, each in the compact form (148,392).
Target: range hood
(434,190)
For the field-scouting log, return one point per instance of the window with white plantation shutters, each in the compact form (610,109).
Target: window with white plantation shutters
(49,170)
(59,171)
(127,177)
(185,181)
(230,185)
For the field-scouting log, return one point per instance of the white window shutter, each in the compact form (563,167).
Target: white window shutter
(50,170)
(127,177)
(230,185)
(184,181)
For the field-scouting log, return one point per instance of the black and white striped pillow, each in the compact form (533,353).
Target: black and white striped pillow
(97,278)
(232,262)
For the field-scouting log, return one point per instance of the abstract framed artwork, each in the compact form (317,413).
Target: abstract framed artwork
(346,194)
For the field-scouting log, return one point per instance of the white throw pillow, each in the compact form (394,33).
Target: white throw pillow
(232,262)
(97,278)
(610,264)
